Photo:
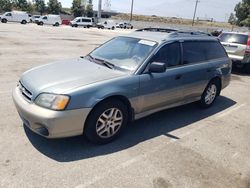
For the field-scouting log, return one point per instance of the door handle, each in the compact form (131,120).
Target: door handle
(178,77)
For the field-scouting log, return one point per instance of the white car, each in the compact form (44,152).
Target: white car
(107,25)
(82,21)
(15,16)
(35,18)
(50,19)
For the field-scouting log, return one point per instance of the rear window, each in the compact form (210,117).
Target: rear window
(199,51)
(234,38)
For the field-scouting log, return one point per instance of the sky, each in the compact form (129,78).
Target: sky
(217,9)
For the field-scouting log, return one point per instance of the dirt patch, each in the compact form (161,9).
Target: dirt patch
(161,183)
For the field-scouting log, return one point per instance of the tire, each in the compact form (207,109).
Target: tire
(56,24)
(113,28)
(75,25)
(24,22)
(246,69)
(210,94)
(4,21)
(132,27)
(40,23)
(100,121)
(88,26)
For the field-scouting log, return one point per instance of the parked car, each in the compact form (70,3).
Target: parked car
(82,21)
(237,46)
(35,18)
(65,22)
(125,79)
(125,25)
(50,19)
(109,24)
(15,16)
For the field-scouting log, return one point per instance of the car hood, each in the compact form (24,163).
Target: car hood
(61,77)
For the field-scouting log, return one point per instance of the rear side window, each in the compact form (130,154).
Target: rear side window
(199,51)
(234,38)
(86,20)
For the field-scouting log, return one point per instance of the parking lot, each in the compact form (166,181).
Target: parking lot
(181,147)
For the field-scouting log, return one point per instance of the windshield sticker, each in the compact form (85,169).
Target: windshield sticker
(147,42)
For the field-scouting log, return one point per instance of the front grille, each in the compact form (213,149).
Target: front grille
(25,92)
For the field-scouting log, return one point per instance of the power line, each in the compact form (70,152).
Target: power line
(131,13)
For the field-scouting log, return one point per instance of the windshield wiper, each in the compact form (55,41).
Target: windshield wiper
(106,63)
(101,61)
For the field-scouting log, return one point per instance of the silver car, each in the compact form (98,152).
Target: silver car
(237,46)
(125,79)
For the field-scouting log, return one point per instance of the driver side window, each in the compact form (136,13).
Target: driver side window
(170,54)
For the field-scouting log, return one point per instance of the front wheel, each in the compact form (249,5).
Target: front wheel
(210,94)
(106,121)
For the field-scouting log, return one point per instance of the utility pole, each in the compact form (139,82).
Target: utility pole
(195,9)
(99,15)
(132,8)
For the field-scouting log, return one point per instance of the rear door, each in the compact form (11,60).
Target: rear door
(235,44)
(195,70)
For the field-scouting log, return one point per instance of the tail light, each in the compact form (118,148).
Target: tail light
(248,46)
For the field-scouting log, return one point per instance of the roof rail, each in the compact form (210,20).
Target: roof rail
(156,29)
(173,31)
(186,32)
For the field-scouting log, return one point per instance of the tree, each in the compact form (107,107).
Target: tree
(54,7)
(89,10)
(232,19)
(242,12)
(77,9)
(40,6)
(5,5)
(21,5)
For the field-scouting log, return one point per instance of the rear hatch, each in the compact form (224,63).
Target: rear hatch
(235,44)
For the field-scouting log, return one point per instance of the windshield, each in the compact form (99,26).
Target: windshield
(125,52)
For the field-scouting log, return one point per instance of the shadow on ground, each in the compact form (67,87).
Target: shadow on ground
(77,148)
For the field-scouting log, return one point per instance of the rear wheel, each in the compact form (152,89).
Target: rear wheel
(23,22)
(113,28)
(40,23)
(56,24)
(106,121)
(4,20)
(210,94)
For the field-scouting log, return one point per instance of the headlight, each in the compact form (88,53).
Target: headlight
(52,101)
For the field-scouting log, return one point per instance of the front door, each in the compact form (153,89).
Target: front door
(162,89)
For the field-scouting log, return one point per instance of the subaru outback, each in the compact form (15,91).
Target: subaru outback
(125,79)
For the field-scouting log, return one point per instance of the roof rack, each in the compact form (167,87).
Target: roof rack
(186,32)
(172,31)
(155,29)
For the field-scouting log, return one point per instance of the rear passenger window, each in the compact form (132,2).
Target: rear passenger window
(199,51)
(214,50)
(193,52)
(169,54)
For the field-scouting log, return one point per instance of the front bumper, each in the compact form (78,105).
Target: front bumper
(49,123)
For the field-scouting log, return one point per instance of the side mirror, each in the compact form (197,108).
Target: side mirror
(157,67)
